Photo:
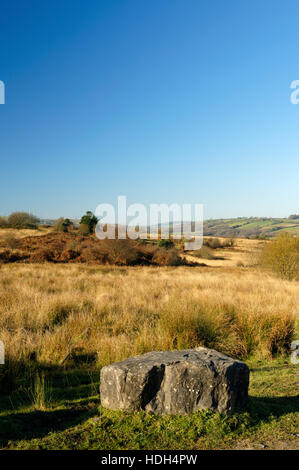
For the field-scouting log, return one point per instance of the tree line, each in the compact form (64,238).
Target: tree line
(21,220)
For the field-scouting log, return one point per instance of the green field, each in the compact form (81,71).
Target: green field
(250,227)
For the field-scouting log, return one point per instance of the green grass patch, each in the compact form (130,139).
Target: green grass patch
(74,419)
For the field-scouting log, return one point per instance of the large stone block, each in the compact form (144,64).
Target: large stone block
(176,382)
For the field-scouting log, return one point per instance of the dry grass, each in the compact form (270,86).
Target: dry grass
(243,252)
(22,233)
(54,314)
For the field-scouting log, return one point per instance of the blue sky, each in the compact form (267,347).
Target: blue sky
(184,101)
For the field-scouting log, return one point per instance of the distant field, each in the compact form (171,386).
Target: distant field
(250,227)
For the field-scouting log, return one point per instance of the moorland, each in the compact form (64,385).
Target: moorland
(71,304)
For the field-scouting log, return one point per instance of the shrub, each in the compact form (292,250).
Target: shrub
(90,220)
(213,243)
(62,225)
(68,255)
(166,243)
(11,241)
(8,256)
(281,255)
(42,255)
(84,229)
(93,254)
(230,242)
(204,252)
(22,220)
(3,222)
(165,257)
(121,252)
(174,259)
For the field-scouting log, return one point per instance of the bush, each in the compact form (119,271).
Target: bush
(90,220)
(7,256)
(230,242)
(213,243)
(164,257)
(11,241)
(84,229)
(121,252)
(93,254)
(62,225)
(281,255)
(42,255)
(3,222)
(22,220)
(68,255)
(174,259)
(204,252)
(166,243)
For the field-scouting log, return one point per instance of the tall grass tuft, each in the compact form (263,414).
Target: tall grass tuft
(40,392)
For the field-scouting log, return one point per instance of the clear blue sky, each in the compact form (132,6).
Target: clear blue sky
(183,101)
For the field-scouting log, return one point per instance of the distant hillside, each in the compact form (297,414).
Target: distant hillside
(251,227)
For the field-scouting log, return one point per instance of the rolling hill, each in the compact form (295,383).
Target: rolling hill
(251,227)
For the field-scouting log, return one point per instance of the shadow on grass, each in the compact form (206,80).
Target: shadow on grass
(271,368)
(73,391)
(262,408)
(74,394)
(37,424)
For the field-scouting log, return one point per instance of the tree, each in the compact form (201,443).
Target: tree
(90,220)
(62,225)
(281,255)
(22,220)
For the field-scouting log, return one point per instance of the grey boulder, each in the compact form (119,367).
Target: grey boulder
(176,382)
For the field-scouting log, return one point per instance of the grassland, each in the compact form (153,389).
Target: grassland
(62,322)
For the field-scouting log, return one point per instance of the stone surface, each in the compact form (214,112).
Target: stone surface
(176,382)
